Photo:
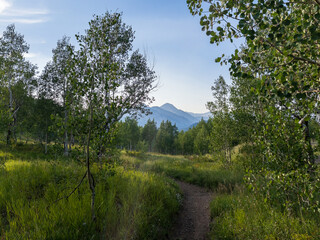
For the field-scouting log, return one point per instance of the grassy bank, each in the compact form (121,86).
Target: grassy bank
(236,212)
(129,204)
(243,216)
(201,171)
(135,200)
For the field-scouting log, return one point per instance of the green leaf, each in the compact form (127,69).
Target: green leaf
(219,29)
(242,23)
(286,22)
(218,59)
(315,35)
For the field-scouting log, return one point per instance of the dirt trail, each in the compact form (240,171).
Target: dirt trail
(193,221)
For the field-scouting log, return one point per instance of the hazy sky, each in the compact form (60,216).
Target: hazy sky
(172,38)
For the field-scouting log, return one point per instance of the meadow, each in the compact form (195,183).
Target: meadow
(137,198)
(270,111)
(236,212)
(35,200)
(203,171)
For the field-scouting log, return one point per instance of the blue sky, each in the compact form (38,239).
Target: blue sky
(165,30)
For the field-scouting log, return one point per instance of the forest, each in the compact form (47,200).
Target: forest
(70,168)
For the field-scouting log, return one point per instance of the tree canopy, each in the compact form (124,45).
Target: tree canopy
(275,85)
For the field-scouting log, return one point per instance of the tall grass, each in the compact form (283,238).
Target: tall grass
(214,175)
(236,213)
(243,216)
(129,204)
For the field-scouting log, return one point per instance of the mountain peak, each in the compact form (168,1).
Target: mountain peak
(169,107)
(183,120)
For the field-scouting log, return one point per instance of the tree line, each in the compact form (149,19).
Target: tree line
(166,139)
(206,137)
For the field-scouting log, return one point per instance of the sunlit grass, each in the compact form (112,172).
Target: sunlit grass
(243,216)
(214,175)
(236,212)
(129,204)
(134,199)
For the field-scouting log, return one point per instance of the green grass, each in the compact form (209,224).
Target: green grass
(134,200)
(28,152)
(200,171)
(243,216)
(129,204)
(236,212)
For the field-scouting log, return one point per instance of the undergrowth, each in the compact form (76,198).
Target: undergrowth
(129,204)
(134,200)
(244,216)
(204,172)
(236,212)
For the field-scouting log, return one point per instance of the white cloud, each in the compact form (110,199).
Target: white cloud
(12,14)
(24,12)
(23,20)
(4,4)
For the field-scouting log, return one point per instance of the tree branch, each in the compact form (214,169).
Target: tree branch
(79,184)
(311,91)
(295,57)
(301,2)
(317,2)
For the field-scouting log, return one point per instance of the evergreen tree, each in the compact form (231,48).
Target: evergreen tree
(166,138)
(202,138)
(132,133)
(149,133)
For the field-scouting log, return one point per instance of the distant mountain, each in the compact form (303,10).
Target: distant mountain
(183,120)
(187,116)
(205,116)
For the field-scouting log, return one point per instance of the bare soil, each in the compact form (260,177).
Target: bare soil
(193,221)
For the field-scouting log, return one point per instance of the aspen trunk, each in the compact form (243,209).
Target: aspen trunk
(66,141)
(90,176)
(46,144)
(9,133)
(308,141)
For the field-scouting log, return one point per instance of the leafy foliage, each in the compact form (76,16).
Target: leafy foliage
(16,79)
(275,89)
(166,136)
